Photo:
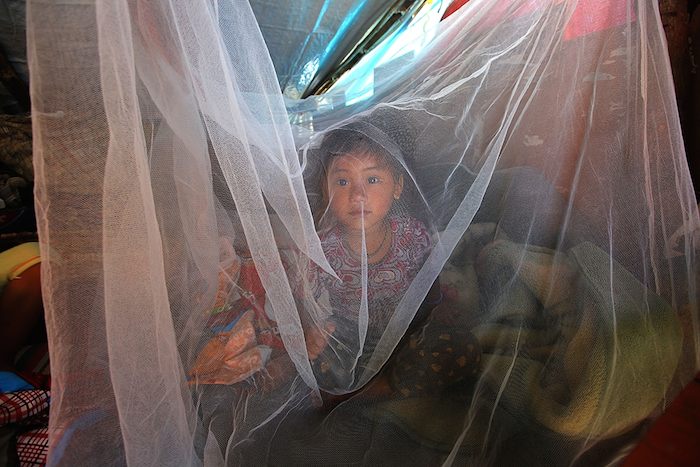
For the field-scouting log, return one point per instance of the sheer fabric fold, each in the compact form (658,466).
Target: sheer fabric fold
(490,260)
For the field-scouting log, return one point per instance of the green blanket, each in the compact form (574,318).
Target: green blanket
(575,345)
(618,347)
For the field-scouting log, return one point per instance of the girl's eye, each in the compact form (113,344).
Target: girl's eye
(341,182)
(372,180)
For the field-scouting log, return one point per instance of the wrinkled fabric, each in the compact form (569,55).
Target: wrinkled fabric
(198,313)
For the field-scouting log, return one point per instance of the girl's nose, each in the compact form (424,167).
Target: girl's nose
(358,193)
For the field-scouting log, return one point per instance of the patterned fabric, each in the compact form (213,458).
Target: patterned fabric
(233,356)
(388,279)
(21,405)
(33,447)
(434,359)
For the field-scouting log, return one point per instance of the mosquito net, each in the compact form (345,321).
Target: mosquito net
(490,260)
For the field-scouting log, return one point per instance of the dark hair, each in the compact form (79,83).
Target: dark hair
(345,141)
(386,132)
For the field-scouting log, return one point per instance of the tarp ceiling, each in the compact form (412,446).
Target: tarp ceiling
(306,39)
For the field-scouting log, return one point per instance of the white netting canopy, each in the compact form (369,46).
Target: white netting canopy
(491,260)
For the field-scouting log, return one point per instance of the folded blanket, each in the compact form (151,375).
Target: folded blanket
(23,405)
(618,353)
(560,351)
(33,447)
(24,417)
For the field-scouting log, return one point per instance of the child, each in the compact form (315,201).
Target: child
(363,190)
(365,227)
(371,219)
(366,194)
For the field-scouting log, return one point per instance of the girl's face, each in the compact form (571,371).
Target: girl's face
(361,185)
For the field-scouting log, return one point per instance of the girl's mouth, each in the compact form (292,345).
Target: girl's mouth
(359,212)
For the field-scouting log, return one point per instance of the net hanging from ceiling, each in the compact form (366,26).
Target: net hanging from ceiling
(491,260)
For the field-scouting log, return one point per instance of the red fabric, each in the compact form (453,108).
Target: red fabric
(674,439)
(254,294)
(253,297)
(33,447)
(592,15)
(249,281)
(20,405)
(589,16)
(454,6)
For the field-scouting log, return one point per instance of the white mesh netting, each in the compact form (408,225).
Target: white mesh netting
(492,260)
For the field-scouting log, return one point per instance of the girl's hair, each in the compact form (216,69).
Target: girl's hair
(344,141)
